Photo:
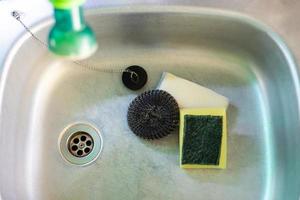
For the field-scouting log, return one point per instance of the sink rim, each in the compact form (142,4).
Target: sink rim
(293,70)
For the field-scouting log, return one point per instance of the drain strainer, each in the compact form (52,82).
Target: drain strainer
(80,144)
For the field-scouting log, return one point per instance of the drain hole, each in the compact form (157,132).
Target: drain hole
(76,140)
(74,148)
(88,143)
(79,152)
(83,138)
(86,150)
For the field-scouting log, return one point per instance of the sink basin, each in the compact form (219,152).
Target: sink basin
(232,54)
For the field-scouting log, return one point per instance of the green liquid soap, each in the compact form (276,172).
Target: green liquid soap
(71,36)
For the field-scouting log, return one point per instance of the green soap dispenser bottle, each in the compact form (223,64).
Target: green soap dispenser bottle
(70,36)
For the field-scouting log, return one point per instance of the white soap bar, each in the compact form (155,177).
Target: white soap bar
(189,94)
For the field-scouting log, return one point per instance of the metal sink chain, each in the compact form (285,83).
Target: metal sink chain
(134,76)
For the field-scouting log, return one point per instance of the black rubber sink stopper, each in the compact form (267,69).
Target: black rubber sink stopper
(152,115)
(134,77)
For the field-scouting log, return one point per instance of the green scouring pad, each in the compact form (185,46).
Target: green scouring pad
(203,138)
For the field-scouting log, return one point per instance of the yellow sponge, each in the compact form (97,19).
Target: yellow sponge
(203,138)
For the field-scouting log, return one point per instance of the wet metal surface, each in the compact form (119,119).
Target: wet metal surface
(229,53)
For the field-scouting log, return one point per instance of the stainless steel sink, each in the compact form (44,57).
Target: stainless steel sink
(230,53)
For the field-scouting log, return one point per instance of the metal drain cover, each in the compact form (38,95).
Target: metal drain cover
(80,144)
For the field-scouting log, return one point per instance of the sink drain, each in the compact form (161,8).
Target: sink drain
(80,144)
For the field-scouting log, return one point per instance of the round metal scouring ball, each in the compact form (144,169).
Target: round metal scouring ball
(152,115)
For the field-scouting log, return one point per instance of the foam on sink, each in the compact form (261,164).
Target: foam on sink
(128,160)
